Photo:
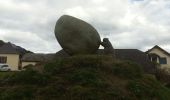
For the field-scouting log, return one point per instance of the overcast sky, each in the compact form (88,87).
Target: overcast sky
(136,24)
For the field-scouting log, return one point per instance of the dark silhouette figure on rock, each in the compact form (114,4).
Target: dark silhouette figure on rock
(108,48)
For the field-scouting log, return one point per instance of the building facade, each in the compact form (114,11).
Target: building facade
(9,55)
(160,56)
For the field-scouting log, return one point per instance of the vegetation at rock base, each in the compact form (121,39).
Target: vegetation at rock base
(83,78)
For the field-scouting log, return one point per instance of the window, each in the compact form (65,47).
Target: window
(3,59)
(162,61)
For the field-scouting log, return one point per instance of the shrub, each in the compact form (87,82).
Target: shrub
(83,93)
(53,68)
(139,90)
(52,92)
(87,77)
(86,61)
(79,92)
(83,78)
(18,93)
(27,76)
(148,88)
(163,76)
(127,70)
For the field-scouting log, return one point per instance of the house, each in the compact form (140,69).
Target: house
(17,57)
(10,55)
(160,56)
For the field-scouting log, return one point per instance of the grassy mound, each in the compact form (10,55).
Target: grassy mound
(83,78)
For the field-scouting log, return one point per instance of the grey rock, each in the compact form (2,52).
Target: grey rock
(76,36)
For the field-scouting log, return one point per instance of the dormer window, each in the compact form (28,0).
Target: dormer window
(163,60)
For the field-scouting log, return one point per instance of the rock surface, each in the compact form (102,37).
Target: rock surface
(76,36)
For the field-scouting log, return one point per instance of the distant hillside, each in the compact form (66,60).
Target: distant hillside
(21,50)
(83,78)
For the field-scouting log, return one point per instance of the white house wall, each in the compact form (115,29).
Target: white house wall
(161,54)
(12,60)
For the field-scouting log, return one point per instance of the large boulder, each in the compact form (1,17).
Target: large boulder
(76,36)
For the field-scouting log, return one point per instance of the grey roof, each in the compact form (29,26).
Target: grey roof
(37,57)
(1,43)
(9,48)
(134,55)
(156,46)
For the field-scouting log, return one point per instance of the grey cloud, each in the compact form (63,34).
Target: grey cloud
(128,25)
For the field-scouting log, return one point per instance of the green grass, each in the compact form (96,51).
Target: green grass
(83,78)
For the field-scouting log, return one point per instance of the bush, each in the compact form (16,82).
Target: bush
(87,61)
(52,92)
(83,93)
(127,70)
(148,88)
(27,76)
(140,90)
(85,77)
(163,76)
(53,68)
(79,92)
(18,93)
